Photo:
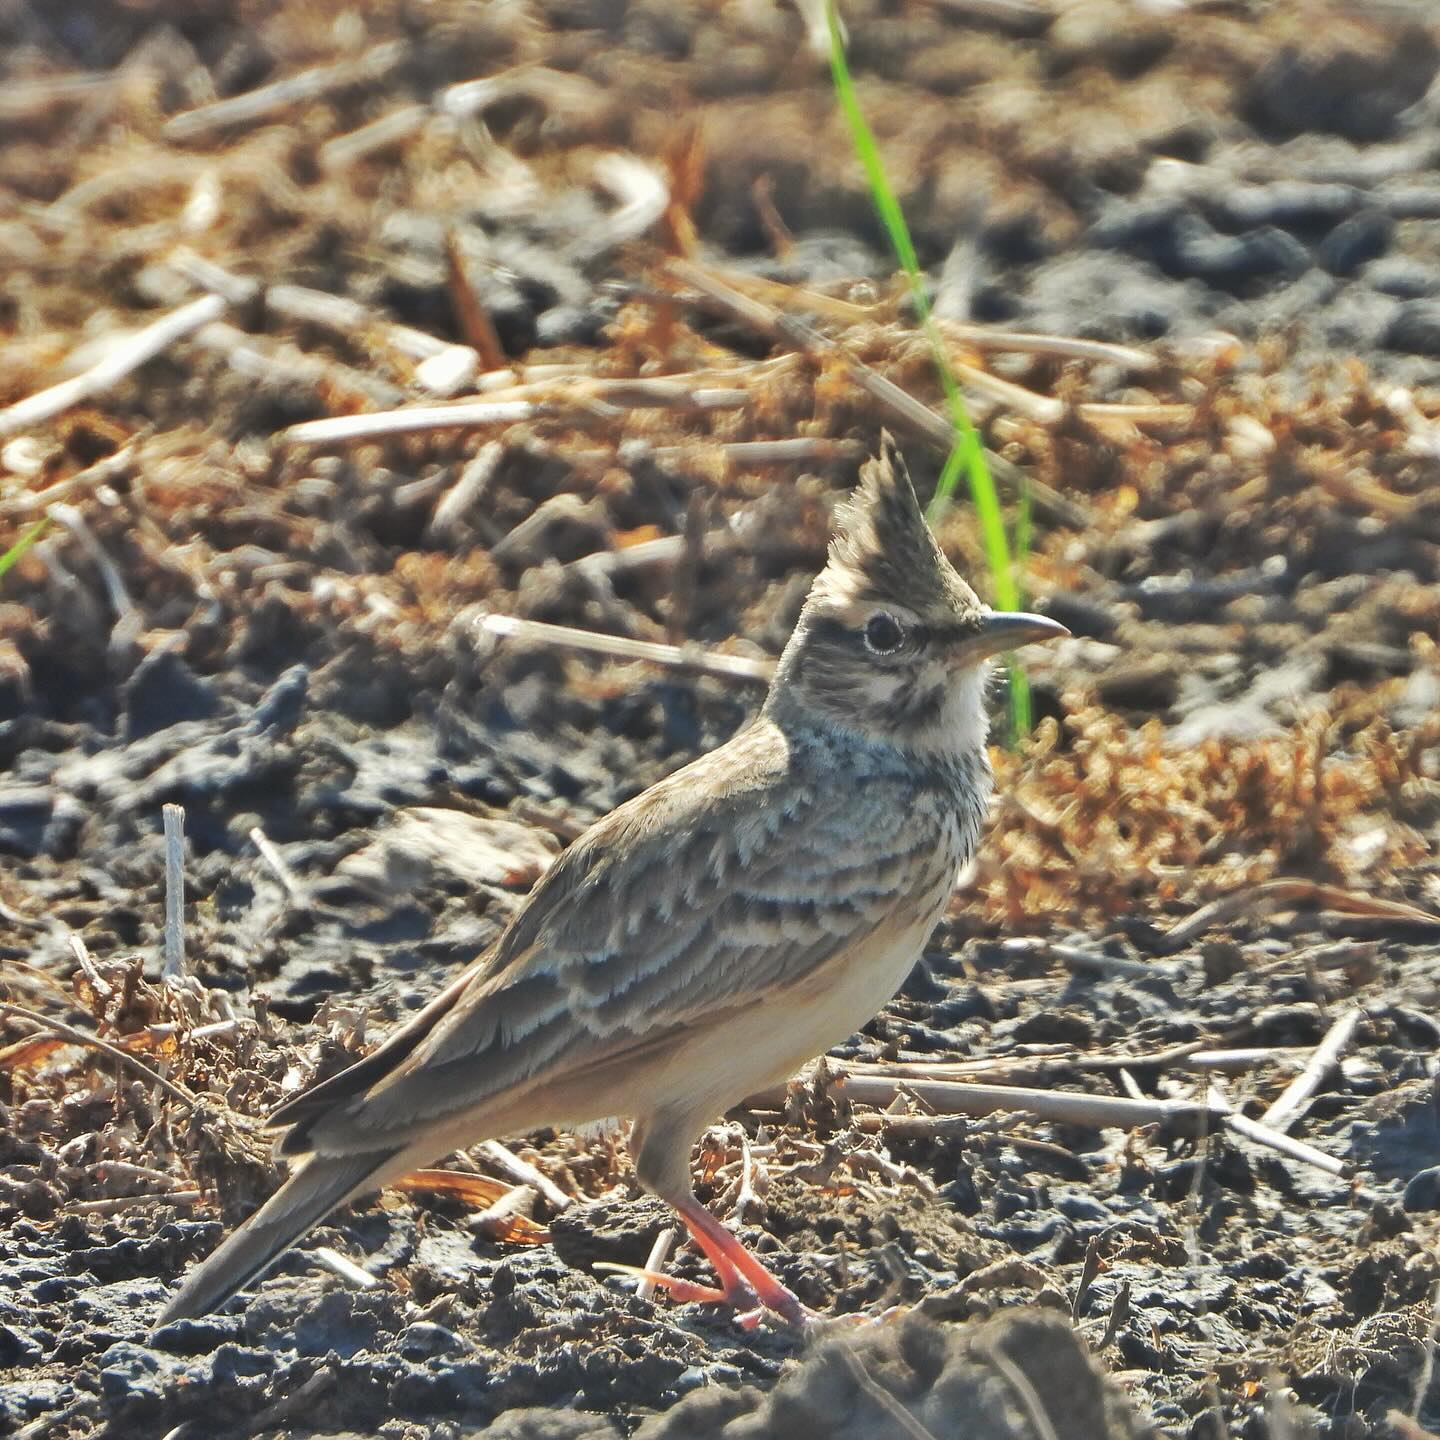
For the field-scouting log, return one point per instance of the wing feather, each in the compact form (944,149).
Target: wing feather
(704,895)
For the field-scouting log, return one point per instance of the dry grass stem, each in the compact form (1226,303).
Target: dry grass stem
(475,323)
(469,489)
(1043,409)
(337,1264)
(620,647)
(1293,1101)
(1191,1118)
(94,1042)
(118,1204)
(356,145)
(1077,958)
(419,420)
(1022,342)
(947,1097)
(270,100)
(1262,1134)
(656,1261)
(643,194)
(173,969)
(119,466)
(1286,894)
(125,357)
(293,887)
(1234,1062)
(71,518)
(524,1173)
(22,101)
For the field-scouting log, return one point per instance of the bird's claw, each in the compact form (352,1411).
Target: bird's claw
(750,1310)
(683,1292)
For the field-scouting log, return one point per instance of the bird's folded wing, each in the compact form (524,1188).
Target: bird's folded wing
(665,914)
(296,1115)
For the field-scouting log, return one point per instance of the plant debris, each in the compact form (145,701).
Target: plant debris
(418,429)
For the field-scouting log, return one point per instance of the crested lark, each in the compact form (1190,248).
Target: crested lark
(707,938)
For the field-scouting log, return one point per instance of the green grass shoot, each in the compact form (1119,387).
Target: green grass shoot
(28,537)
(967,454)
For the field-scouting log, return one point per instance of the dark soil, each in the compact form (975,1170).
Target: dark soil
(286,637)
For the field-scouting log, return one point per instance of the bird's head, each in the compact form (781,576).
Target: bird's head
(892,644)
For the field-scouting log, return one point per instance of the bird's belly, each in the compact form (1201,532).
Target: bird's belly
(770,1041)
(842,997)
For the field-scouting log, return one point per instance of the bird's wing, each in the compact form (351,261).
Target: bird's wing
(731,880)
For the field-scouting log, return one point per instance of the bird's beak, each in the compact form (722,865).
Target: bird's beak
(1010,629)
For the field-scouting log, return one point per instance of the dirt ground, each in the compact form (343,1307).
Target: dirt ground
(637,233)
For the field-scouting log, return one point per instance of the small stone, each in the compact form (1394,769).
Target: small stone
(618,1231)
(1148,683)
(1075,1205)
(1344,79)
(424,1339)
(199,1335)
(17,1348)
(562,528)
(127,1370)
(1354,242)
(448,372)
(1423,1191)
(1196,249)
(282,705)
(25,811)
(548,1423)
(162,692)
(1404,278)
(1415,328)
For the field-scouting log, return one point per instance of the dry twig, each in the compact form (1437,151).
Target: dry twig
(524,1173)
(1191,1118)
(1290,894)
(344,1267)
(656,1260)
(127,356)
(621,647)
(292,885)
(475,479)
(94,1042)
(173,969)
(1295,1098)
(268,100)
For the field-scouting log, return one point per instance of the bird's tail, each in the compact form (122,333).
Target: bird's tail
(320,1184)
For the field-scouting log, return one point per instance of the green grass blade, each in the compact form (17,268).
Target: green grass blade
(968,454)
(1020,711)
(26,540)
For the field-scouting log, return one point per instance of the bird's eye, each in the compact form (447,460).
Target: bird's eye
(884,634)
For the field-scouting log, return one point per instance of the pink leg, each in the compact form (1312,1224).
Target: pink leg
(747,1285)
(740,1272)
(661,1146)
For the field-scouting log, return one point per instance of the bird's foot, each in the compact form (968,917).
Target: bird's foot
(683,1292)
(751,1308)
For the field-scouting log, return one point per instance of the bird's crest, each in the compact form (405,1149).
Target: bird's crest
(883,549)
